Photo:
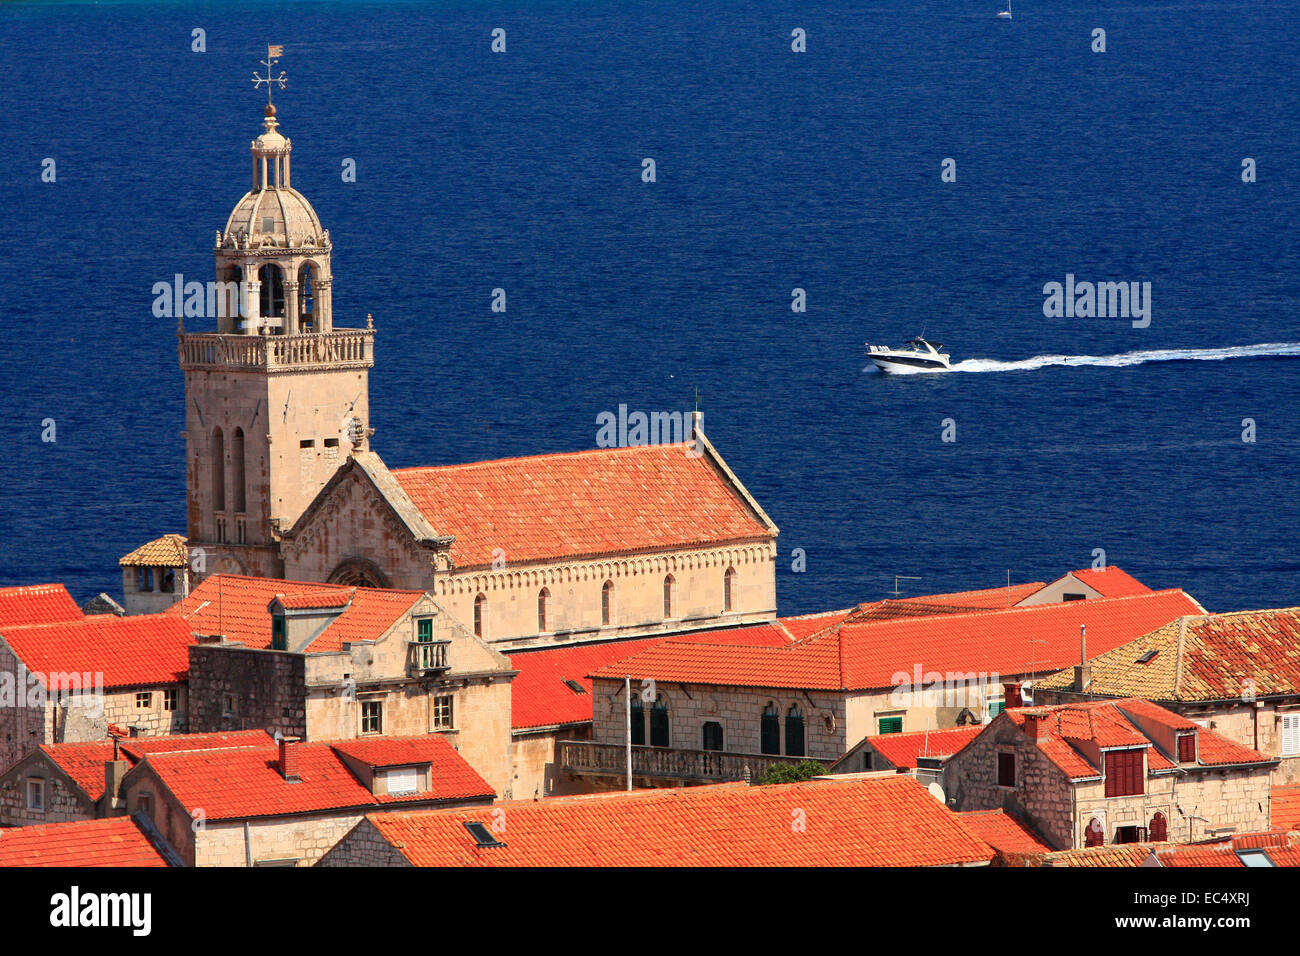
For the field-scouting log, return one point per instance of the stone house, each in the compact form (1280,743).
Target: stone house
(339,662)
(824,822)
(1116,771)
(722,707)
(155,575)
(70,681)
(58,783)
(29,604)
(1237,674)
(286,804)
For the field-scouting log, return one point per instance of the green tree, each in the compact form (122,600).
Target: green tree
(792,772)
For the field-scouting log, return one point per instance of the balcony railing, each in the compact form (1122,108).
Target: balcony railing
(425,657)
(714,766)
(340,348)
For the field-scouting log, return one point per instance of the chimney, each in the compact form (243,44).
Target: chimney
(289,760)
(1011,693)
(1036,726)
(1082,677)
(114,771)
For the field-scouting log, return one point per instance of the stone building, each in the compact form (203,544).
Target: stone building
(58,783)
(288,803)
(124,842)
(281,481)
(339,662)
(155,575)
(1237,674)
(70,681)
(1121,771)
(723,704)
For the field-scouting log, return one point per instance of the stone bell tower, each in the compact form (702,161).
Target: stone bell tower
(277,397)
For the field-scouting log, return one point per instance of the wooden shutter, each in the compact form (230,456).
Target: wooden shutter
(1290,735)
(1124,773)
(1186,748)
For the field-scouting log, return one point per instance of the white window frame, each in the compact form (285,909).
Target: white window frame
(36,785)
(1289,735)
(405,775)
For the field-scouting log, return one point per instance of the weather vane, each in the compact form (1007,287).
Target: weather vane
(272,52)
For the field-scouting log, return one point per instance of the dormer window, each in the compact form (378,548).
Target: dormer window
(278,642)
(1187,748)
(1124,776)
(402,781)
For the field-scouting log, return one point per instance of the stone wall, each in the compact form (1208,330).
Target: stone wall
(738,709)
(363,846)
(536,772)
(268,690)
(63,802)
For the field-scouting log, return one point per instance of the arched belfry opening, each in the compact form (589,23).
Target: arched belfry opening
(272,302)
(307,276)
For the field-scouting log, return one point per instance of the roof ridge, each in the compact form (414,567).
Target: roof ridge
(554,454)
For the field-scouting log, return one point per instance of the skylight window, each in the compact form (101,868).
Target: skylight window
(482,836)
(574,686)
(1255,858)
(1148,657)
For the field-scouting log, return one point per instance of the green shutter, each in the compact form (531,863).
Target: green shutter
(424,630)
(277,632)
(891,725)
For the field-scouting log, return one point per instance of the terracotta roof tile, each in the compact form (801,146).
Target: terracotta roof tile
(138,651)
(903,750)
(237,606)
(37,604)
(239,783)
(118,841)
(873,654)
(1201,657)
(1286,807)
(169,551)
(889,821)
(84,762)
(1282,848)
(1111,582)
(582,503)
(1004,832)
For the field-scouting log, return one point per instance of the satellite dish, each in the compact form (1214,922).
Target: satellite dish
(936,791)
(1027,692)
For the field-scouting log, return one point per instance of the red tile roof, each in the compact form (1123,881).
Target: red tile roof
(851,821)
(1112,582)
(1282,848)
(1113,856)
(1106,724)
(902,750)
(1286,807)
(118,841)
(37,604)
(1006,833)
(1202,657)
(84,762)
(605,501)
(240,783)
(236,606)
(873,654)
(139,651)
(541,698)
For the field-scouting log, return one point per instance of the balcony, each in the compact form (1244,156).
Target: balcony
(342,348)
(694,766)
(425,658)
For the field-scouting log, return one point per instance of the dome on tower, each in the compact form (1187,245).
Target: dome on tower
(273,214)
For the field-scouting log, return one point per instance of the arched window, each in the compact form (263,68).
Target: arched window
(237,470)
(606,601)
(272,300)
(1159,829)
(1094,835)
(728,580)
(480,605)
(712,735)
(794,731)
(543,599)
(668,596)
(770,735)
(638,720)
(218,471)
(659,723)
(306,298)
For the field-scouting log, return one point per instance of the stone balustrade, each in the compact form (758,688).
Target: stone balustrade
(341,348)
(714,766)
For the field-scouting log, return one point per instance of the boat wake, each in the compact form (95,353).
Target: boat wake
(1265,350)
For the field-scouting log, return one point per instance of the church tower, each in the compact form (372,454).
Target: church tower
(277,397)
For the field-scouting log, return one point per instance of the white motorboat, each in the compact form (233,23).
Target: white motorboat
(1005,14)
(917,356)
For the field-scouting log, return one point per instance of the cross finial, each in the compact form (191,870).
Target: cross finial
(273,52)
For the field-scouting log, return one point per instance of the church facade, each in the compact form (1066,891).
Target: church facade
(282,481)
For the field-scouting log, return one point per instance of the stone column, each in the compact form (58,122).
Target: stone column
(290,306)
(253,285)
(323,307)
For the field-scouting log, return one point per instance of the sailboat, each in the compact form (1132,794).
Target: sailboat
(1005,14)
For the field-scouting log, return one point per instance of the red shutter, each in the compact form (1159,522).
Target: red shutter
(1124,773)
(1159,828)
(1187,748)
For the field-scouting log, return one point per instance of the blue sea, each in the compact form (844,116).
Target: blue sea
(775,171)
